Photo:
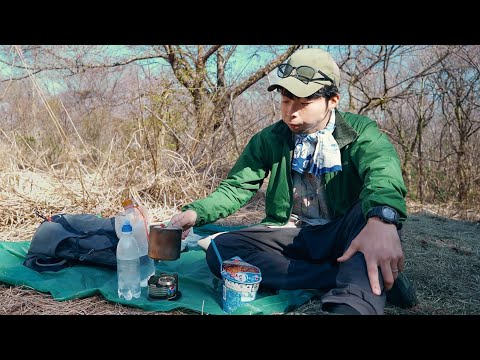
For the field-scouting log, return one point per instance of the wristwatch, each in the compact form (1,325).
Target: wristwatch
(386,214)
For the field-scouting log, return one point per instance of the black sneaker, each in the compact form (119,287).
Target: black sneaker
(402,293)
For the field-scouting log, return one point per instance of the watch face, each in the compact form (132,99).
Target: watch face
(388,213)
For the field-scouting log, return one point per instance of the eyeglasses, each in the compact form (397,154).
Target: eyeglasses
(303,73)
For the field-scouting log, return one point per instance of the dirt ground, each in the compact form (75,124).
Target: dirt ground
(442,260)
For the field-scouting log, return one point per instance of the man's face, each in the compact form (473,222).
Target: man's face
(306,116)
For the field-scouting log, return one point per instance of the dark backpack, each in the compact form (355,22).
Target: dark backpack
(69,239)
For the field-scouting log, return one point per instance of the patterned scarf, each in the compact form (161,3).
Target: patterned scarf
(317,153)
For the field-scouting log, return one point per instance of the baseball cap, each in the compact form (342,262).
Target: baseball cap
(315,58)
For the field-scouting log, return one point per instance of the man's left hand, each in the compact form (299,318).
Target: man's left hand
(380,244)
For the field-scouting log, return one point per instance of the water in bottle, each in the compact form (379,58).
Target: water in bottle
(128,264)
(138,216)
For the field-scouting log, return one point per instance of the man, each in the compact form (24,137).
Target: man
(335,200)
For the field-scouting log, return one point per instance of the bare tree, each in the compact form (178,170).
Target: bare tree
(377,75)
(211,98)
(459,86)
(201,70)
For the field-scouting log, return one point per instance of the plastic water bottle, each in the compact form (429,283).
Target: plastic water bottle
(139,221)
(128,264)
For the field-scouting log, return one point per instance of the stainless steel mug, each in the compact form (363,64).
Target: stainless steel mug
(164,243)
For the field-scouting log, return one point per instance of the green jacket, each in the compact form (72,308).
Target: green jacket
(370,172)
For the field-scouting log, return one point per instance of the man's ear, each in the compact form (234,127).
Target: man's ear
(333,102)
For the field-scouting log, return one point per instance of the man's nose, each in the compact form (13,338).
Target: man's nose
(292,109)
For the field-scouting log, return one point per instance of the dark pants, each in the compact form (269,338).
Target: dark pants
(305,258)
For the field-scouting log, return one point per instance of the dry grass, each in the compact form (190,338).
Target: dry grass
(23,192)
(25,301)
(442,254)
(22,300)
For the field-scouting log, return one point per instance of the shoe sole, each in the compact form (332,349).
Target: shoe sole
(402,293)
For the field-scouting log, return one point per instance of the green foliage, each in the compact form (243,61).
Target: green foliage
(26,141)
(53,150)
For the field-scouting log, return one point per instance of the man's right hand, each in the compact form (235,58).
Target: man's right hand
(184,220)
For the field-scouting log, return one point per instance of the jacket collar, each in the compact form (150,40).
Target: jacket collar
(344,134)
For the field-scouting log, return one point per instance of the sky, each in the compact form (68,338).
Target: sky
(247,58)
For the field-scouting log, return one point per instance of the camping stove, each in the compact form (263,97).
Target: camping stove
(164,244)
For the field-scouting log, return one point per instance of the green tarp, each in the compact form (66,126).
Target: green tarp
(200,290)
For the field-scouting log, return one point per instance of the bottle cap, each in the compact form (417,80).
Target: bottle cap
(126,227)
(127,203)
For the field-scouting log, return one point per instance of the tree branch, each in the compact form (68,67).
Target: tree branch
(262,72)
(210,52)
